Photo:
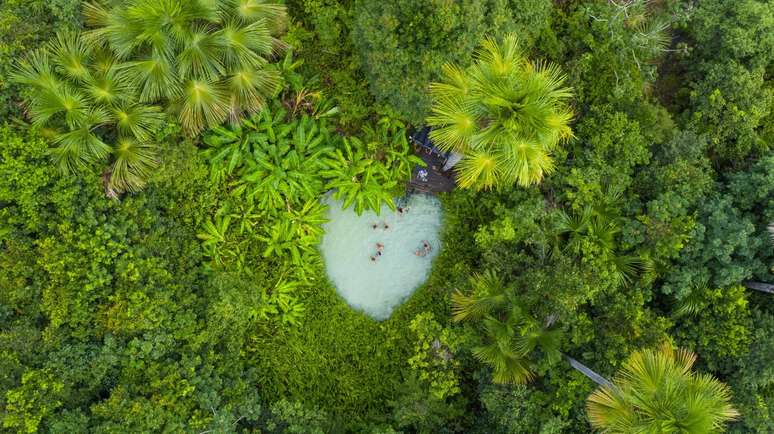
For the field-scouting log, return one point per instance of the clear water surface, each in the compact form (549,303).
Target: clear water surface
(376,283)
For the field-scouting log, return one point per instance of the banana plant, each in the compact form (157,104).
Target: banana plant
(280,300)
(359,180)
(308,221)
(218,244)
(286,171)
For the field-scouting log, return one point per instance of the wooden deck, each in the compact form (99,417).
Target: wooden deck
(435,180)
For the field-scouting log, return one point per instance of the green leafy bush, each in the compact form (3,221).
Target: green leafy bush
(435,356)
(401,45)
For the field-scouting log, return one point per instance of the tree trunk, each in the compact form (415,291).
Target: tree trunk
(760,286)
(585,370)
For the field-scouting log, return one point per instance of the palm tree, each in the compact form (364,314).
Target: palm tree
(205,59)
(504,113)
(512,337)
(82,103)
(98,95)
(597,229)
(656,392)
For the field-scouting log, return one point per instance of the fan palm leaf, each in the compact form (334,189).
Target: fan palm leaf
(656,391)
(153,76)
(133,163)
(200,56)
(479,170)
(509,366)
(456,125)
(533,335)
(35,70)
(138,120)
(80,146)
(245,45)
(249,11)
(107,87)
(503,106)
(488,296)
(524,163)
(63,103)
(72,55)
(203,103)
(249,88)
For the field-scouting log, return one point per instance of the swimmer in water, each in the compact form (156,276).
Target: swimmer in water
(373,258)
(379,247)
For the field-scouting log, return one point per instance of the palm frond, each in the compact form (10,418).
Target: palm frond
(249,88)
(107,87)
(35,70)
(504,106)
(245,45)
(203,103)
(200,56)
(65,102)
(478,170)
(508,366)
(153,76)
(133,164)
(138,120)
(454,124)
(72,55)
(249,11)
(80,146)
(656,390)
(488,295)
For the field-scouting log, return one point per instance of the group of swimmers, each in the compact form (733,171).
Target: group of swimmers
(421,252)
(379,249)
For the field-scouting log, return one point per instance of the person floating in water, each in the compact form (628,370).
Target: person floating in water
(385,225)
(373,258)
(374,226)
(379,247)
(426,248)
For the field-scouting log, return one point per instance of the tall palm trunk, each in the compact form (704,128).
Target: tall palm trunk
(760,286)
(585,370)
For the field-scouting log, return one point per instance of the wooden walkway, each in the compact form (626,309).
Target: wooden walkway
(431,179)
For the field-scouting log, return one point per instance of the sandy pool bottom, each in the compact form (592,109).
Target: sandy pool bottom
(377,261)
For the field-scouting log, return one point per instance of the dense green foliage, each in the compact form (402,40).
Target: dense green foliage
(200,303)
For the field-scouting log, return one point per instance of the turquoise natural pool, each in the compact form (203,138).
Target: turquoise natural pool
(377,286)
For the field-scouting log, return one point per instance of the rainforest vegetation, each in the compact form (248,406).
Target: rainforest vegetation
(607,260)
